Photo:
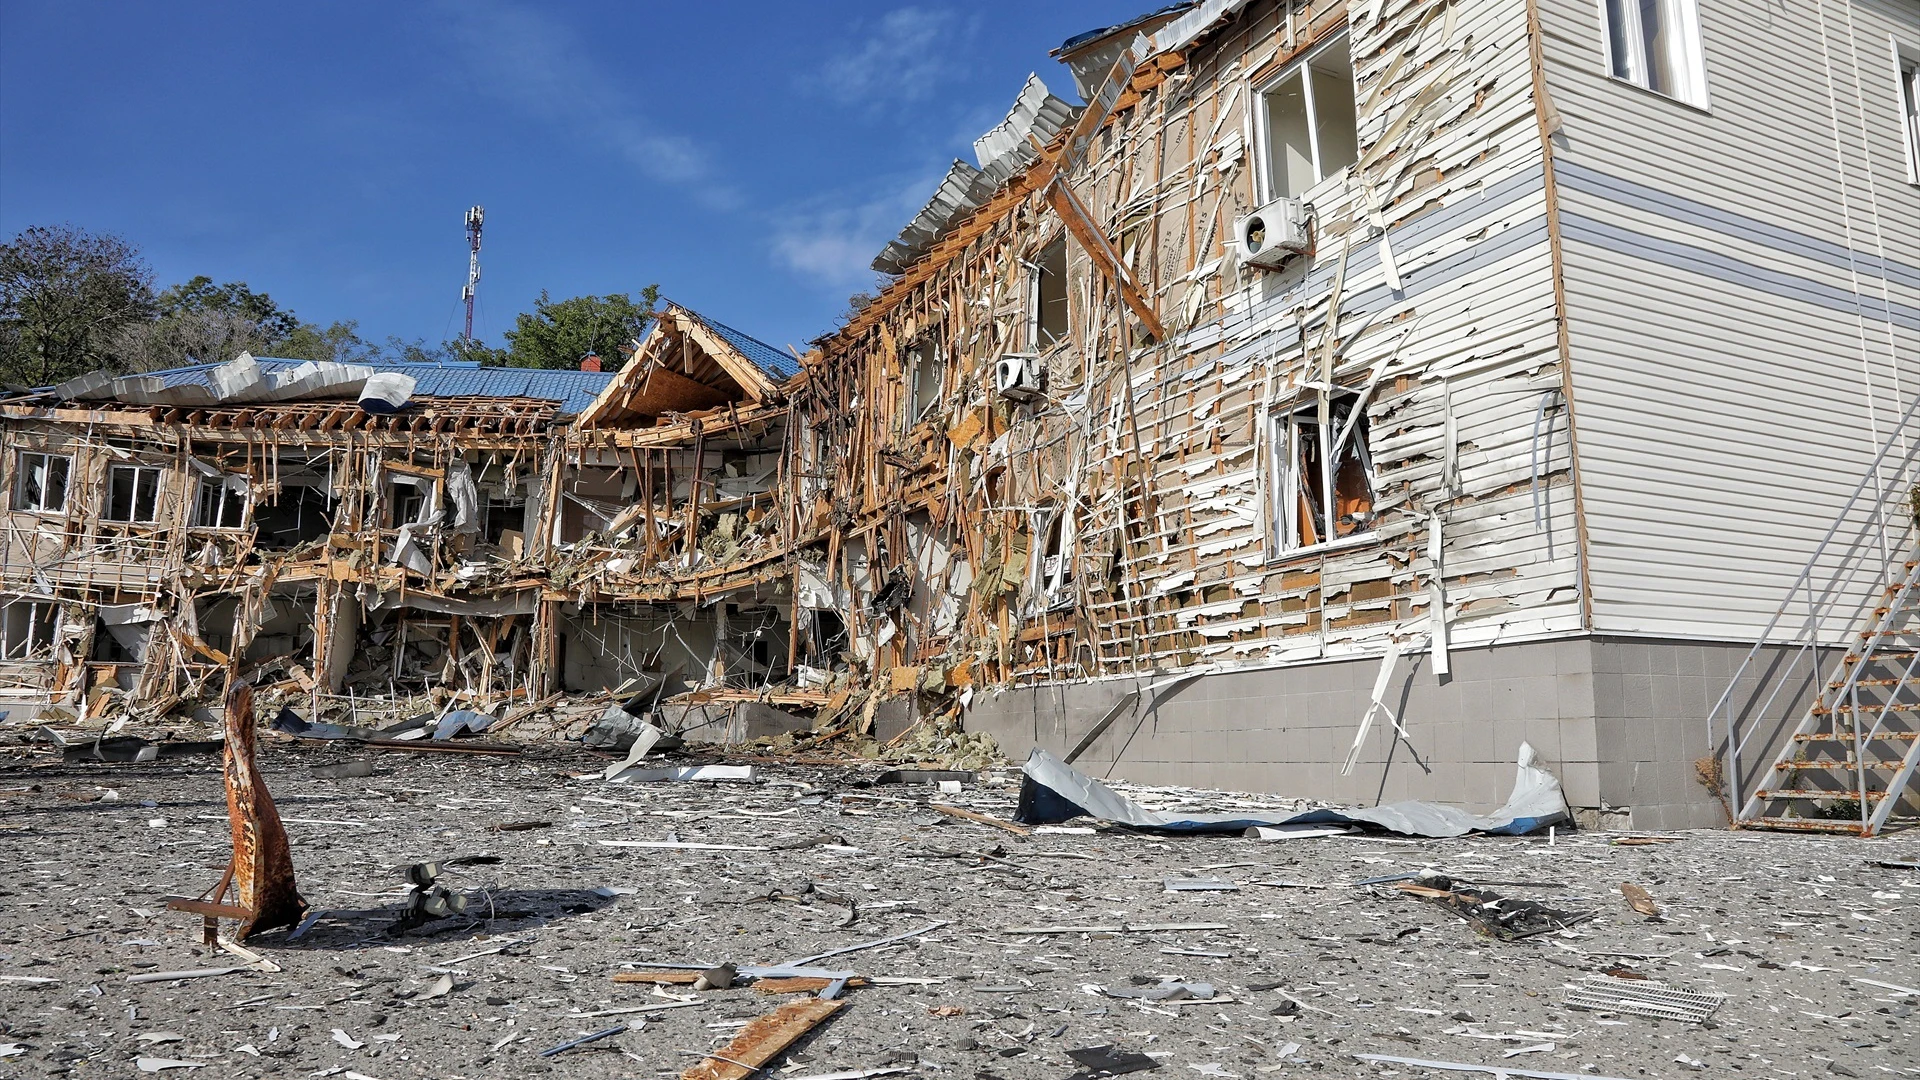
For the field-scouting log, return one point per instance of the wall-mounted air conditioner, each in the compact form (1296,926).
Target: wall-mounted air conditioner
(1272,234)
(1017,376)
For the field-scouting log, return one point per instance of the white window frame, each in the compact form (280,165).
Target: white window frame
(1263,160)
(1284,479)
(133,506)
(1691,53)
(1906,68)
(225,485)
(23,650)
(1052,588)
(21,464)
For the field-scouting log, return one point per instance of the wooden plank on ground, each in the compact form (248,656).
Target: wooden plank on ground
(763,1039)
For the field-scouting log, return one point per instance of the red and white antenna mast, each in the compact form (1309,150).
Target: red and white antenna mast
(474,217)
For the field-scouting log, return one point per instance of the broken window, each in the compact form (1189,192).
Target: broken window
(503,515)
(1311,125)
(406,500)
(1910,113)
(222,503)
(27,628)
(1301,514)
(133,493)
(40,482)
(302,511)
(1656,44)
(1048,320)
(925,373)
(1053,557)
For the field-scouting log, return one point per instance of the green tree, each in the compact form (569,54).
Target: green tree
(558,334)
(200,322)
(339,343)
(65,293)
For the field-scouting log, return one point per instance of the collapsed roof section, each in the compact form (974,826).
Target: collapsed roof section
(687,363)
(253,380)
(1089,55)
(1003,151)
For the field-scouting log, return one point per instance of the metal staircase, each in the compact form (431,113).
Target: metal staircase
(1840,663)
(1848,764)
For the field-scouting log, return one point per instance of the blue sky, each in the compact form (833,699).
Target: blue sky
(751,157)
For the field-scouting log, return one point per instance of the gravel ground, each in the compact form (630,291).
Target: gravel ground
(1309,971)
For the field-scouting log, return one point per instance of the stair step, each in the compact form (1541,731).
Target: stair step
(1897,706)
(1886,764)
(1883,653)
(1798,824)
(1815,793)
(1829,736)
(1838,683)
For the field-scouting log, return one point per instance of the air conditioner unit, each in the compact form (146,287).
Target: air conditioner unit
(1272,234)
(1017,376)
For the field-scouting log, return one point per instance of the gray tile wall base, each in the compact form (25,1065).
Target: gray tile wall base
(1619,721)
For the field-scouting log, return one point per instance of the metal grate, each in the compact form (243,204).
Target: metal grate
(1642,998)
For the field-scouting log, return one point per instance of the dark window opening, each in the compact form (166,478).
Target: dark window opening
(926,374)
(503,516)
(829,634)
(404,503)
(298,515)
(133,493)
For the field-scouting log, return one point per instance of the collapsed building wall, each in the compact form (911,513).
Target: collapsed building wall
(1310,461)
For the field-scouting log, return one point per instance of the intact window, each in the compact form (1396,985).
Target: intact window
(133,493)
(1311,123)
(27,628)
(1656,44)
(220,504)
(925,373)
(1049,301)
(1301,513)
(40,482)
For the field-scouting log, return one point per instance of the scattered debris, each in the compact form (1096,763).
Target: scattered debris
(762,1040)
(1639,900)
(1642,997)
(1103,1061)
(1488,912)
(1455,1066)
(583,1040)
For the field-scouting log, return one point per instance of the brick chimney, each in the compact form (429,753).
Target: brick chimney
(590,362)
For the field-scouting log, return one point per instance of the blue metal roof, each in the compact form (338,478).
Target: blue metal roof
(573,390)
(779,366)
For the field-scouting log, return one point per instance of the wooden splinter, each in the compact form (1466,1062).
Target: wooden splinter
(261,870)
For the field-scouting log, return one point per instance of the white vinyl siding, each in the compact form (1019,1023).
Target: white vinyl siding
(1735,344)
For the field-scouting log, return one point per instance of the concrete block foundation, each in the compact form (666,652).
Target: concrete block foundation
(1620,721)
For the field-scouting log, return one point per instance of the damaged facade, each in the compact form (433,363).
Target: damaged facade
(1459,366)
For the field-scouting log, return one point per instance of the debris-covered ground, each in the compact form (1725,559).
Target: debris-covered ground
(1022,948)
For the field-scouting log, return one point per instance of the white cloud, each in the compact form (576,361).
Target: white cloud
(834,241)
(540,67)
(903,56)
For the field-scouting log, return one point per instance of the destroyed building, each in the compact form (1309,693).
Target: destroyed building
(1347,394)
(495,535)
(1474,335)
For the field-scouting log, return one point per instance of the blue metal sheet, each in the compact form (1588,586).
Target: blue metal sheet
(778,365)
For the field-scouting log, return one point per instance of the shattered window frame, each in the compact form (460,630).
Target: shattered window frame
(146,483)
(219,494)
(1907,63)
(1656,46)
(40,628)
(31,495)
(924,356)
(1291,490)
(1051,588)
(1318,161)
(1041,334)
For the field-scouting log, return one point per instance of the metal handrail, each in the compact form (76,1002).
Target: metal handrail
(1819,609)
